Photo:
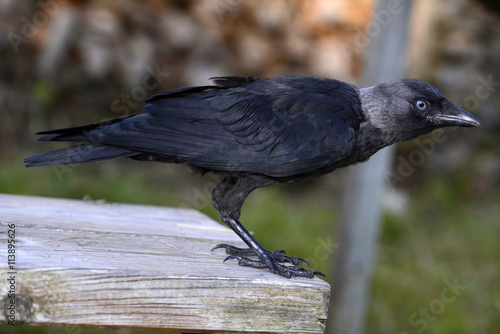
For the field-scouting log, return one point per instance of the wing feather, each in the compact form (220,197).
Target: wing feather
(278,127)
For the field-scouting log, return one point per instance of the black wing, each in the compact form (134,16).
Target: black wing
(277,127)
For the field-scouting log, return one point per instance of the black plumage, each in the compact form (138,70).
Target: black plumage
(260,132)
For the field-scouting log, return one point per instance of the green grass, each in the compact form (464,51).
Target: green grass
(448,233)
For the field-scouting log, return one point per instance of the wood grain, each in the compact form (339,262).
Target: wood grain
(97,264)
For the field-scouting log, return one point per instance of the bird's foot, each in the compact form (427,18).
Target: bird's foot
(274,261)
(279,255)
(275,267)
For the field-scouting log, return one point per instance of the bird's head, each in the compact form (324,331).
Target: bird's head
(405,109)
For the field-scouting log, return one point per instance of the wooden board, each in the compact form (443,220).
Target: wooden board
(98,264)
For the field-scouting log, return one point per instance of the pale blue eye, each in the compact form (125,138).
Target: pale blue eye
(421,105)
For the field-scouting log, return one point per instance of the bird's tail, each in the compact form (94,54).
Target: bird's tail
(90,149)
(77,154)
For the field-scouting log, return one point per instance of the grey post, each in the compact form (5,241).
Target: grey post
(384,60)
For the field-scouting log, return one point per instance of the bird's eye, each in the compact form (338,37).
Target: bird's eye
(421,105)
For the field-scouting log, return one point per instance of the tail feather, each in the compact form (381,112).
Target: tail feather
(77,155)
(85,128)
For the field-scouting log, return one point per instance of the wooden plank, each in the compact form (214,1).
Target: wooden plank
(95,264)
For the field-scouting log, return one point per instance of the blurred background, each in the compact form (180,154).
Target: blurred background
(67,63)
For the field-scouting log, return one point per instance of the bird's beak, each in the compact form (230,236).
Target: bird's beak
(455,116)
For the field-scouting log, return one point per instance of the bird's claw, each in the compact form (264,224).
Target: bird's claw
(279,255)
(275,267)
(274,262)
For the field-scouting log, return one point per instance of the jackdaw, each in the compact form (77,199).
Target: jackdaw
(255,133)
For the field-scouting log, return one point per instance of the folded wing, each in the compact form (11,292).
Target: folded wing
(277,127)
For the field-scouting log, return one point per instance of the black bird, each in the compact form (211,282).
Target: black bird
(256,133)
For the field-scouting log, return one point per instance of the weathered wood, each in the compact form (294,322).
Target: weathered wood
(97,264)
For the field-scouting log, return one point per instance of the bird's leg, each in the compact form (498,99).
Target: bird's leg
(228,197)
(267,259)
(223,188)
